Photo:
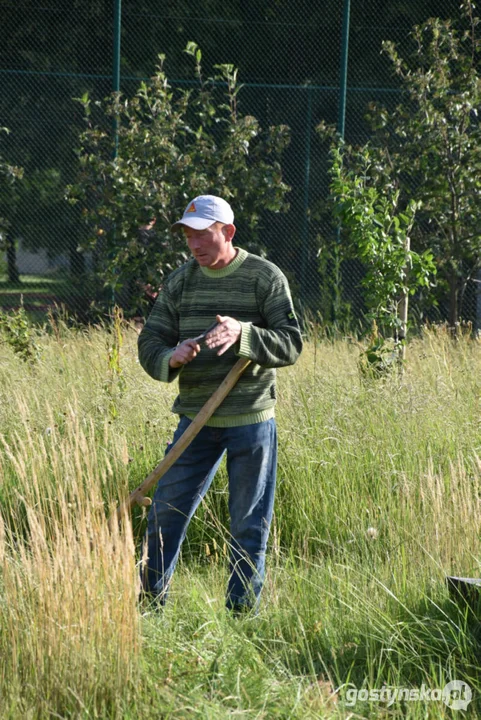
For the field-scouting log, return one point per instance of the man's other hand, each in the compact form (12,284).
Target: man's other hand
(184,353)
(226,334)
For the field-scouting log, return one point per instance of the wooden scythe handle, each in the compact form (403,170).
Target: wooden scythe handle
(137,496)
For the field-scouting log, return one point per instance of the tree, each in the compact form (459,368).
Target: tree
(376,229)
(434,145)
(167,147)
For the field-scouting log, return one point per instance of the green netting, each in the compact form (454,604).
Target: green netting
(289,56)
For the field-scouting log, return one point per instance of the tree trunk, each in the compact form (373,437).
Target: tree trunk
(453,301)
(403,313)
(76,261)
(478,303)
(403,317)
(12,269)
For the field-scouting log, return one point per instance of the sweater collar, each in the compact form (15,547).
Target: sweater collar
(228,269)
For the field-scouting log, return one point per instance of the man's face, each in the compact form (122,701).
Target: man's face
(212,248)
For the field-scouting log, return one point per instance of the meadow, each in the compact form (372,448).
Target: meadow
(379,499)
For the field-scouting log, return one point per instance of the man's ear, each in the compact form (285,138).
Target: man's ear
(229,231)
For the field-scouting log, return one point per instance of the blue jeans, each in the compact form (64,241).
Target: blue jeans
(251,466)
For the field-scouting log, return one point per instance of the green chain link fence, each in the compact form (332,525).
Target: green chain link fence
(289,54)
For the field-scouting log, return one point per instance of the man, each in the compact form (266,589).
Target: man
(250,299)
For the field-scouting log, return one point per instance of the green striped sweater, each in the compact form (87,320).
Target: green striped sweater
(253,291)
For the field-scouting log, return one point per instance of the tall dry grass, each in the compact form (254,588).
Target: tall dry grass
(378,500)
(69,627)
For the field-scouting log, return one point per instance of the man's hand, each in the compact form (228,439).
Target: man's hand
(184,353)
(226,334)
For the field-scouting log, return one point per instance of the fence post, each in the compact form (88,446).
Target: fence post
(116,88)
(341,123)
(305,214)
(343,78)
(116,69)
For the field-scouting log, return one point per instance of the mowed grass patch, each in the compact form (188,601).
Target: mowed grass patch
(378,499)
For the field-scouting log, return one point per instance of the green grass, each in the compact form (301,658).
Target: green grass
(39,294)
(33,285)
(378,500)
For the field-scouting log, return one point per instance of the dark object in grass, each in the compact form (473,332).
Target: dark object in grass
(466,592)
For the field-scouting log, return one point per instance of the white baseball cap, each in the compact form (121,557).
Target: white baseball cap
(204,210)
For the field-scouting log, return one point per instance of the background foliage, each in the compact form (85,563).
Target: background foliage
(169,146)
(288,55)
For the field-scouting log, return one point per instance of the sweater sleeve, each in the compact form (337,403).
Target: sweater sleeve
(280,342)
(158,339)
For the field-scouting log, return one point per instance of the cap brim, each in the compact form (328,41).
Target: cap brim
(193,222)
